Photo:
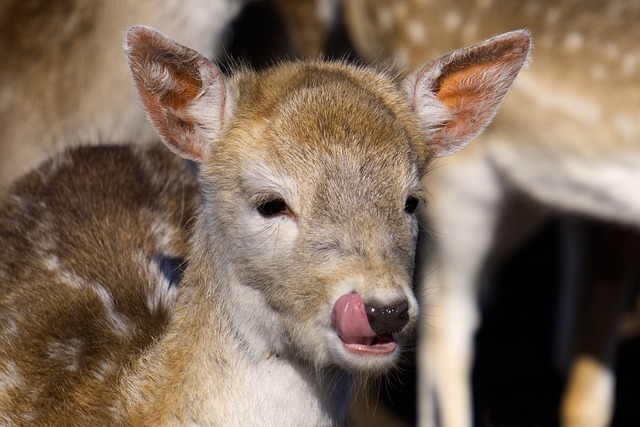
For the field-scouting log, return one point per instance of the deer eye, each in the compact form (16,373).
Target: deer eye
(273,207)
(411,204)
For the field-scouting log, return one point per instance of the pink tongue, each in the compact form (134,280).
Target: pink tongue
(350,320)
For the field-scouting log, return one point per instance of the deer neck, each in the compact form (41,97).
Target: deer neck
(223,350)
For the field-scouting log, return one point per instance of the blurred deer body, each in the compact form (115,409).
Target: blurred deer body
(297,274)
(70,231)
(63,80)
(585,70)
(568,135)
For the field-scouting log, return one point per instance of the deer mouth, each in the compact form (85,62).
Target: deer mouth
(349,318)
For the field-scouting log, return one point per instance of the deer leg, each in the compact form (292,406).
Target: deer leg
(612,268)
(462,225)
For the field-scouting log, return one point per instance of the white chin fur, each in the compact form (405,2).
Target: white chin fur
(361,361)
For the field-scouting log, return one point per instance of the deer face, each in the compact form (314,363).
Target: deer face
(323,190)
(310,175)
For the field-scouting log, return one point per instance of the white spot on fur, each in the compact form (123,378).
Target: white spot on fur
(385,18)
(165,234)
(552,17)
(611,51)
(452,21)
(532,9)
(589,397)
(114,318)
(629,64)
(10,377)
(573,41)
(163,295)
(67,352)
(417,31)
(598,72)
(326,11)
(8,326)
(616,9)
(52,262)
(70,278)
(104,369)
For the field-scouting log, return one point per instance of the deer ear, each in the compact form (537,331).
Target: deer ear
(183,94)
(457,95)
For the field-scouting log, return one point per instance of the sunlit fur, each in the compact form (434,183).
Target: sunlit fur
(568,137)
(247,337)
(63,80)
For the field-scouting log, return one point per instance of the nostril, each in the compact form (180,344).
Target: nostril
(388,320)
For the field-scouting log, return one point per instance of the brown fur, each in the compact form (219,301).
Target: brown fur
(63,80)
(250,329)
(87,220)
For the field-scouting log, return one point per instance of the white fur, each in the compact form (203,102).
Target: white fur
(66,352)
(589,397)
(10,377)
(254,230)
(163,295)
(117,321)
(274,392)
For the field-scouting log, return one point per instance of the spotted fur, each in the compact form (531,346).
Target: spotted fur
(568,138)
(96,332)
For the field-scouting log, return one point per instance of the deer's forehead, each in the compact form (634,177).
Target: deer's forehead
(321,104)
(328,128)
(335,162)
(323,127)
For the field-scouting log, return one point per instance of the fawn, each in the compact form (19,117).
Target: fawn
(297,273)
(567,138)
(62,77)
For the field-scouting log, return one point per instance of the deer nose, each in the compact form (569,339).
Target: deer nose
(388,320)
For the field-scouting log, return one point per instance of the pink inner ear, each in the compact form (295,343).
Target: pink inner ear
(182,93)
(182,88)
(473,97)
(471,84)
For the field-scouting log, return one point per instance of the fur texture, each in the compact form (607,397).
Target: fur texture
(568,137)
(309,177)
(63,80)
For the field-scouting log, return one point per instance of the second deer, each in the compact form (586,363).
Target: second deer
(568,138)
(298,270)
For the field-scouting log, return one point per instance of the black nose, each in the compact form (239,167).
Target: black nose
(388,320)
